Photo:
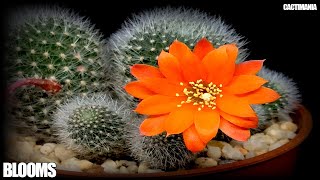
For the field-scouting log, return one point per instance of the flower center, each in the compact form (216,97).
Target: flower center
(201,94)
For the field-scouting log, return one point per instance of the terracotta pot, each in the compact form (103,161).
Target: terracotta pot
(278,162)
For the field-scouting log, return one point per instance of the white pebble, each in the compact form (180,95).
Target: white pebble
(143,167)
(214,152)
(203,162)
(250,154)
(125,163)
(109,166)
(47,148)
(236,143)
(123,170)
(133,169)
(290,134)
(277,133)
(71,164)
(278,144)
(229,152)
(44,159)
(289,126)
(37,148)
(62,153)
(85,164)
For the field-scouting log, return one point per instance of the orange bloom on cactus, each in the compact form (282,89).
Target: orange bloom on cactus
(198,92)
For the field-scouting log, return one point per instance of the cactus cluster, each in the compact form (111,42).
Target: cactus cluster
(55,44)
(160,151)
(87,114)
(92,126)
(145,35)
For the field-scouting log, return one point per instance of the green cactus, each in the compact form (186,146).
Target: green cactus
(145,35)
(290,96)
(53,44)
(159,152)
(92,126)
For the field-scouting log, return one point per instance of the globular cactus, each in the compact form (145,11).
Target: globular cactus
(51,43)
(286,87)
(93,126)
(145,35)
(159,151)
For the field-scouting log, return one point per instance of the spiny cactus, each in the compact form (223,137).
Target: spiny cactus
(51,43)
(290,97)
(159,152)
(92,126)
(145,35)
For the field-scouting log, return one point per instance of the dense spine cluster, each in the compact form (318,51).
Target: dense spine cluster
(145,35)
(290,96)
(54,44)
(92,126)
(160,151)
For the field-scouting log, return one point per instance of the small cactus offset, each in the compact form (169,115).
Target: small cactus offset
(92,126)
(51,44)
(290,96)
(145,35)
(159,151)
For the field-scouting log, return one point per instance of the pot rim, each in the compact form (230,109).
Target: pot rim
(302,117)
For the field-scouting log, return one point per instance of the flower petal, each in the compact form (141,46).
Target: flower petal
(244,83)
(192,69)
(179,49)
(141,71)
(233,131)
(153,125)
(235,106)
(248,67)
(169,67)
(239,121)
(163,86)
(261,96)
(158,104)
(192,140)
(138,90)
(180,119)
(232,51)
(219,66)
(206,123)
(202,48)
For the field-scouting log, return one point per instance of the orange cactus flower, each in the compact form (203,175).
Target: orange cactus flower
(198,92)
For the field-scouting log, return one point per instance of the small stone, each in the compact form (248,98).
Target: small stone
(214,152)
(62,153)
(125,163)
(261,152)
(203,162)
(215,143)
(123,170)
(236,143)
(71,164)
(229,152)
(85,165)
(278,144)
(289,126)
(47,148)
(45,159)
(250,154)
(109,166)
(133,169)
(277,133)
(290,134)
(37,148)
(241,149)
(143,167)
